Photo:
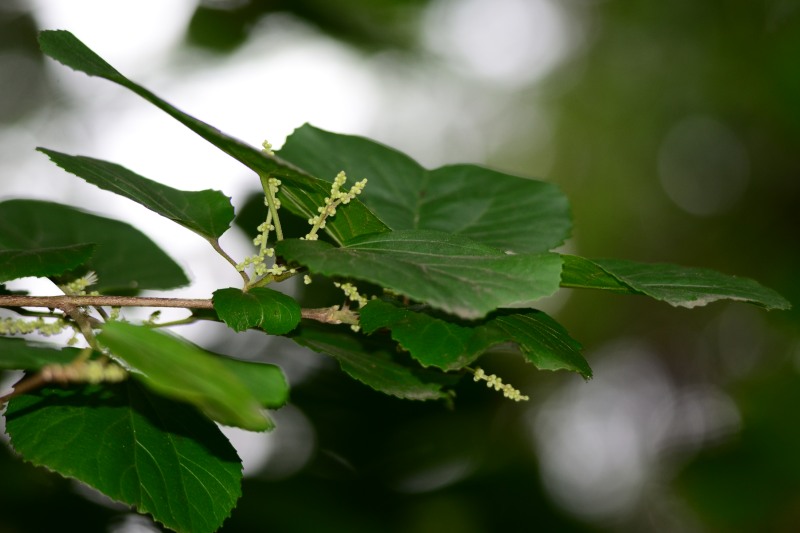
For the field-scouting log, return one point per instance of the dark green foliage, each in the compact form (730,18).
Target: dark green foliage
(459,255)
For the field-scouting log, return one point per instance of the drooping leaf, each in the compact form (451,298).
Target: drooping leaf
(174,368)
(448,272)
(500,210)
(430,340)
(124,257)
(161,456)
(272,311)
(373,365)
(42,262)
(24,354)
(679,286)
(301,193)
(207,213)
(542,341)
(436,342)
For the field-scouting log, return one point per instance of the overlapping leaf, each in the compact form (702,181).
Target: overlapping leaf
(208,213)
(373,365)
(301,194)
(124,258)
(43,262)
(436,342)
(679,286)
(272,311)
(158,455)
(174,368)
(23,354)
(448,272)
(500,210)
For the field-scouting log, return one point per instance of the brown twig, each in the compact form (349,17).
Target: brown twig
(64,301)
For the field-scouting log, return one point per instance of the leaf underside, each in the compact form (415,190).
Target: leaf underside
(124,258)
(436,342)
(208,213)
(373,365)
(43,262)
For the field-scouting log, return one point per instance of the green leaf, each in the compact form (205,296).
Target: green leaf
(499,210)
(208,213)
(679,286)
(160,456)
(272,311)
(300,193)
(448,272)
(29,355)
(436,342)
(174,368)
(542,341)
(429,340)
(124,257)
(373,365)
(42,262)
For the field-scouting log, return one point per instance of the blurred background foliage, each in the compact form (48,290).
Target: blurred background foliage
(673,127)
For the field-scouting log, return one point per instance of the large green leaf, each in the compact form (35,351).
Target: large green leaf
(42,262)
(272,311)
(676,285)
(174,368)
(372,364)
(208,213)
(29,355)
(436,342)
(448,272)
(301,193)
(158,455)
(493,208)
(124,257)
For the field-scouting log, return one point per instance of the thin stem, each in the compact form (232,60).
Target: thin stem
(180,322)
(215,244)
(26,385)
(60,302)
(329,315)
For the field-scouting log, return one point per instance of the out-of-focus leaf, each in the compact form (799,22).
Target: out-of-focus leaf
(124,257)
(372,365)
(679,286)
(207,213)
(301,193)
(42,262)
(174,368)
(496,209)
(448,272)
(29,355)
(272,311)
(161,456)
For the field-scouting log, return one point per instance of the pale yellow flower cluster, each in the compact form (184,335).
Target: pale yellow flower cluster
(78,287)
(492,381)
(336,198)
(22,326)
